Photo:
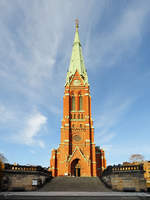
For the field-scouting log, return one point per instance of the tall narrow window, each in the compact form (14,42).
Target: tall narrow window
(80,103)
(73,102)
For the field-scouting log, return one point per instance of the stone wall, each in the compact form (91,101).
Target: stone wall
(127,180)
(23,181)
(19,178)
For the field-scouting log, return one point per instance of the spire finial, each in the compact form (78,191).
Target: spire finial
(77,24)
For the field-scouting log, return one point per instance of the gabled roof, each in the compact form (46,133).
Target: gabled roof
(77,149)
(77,61)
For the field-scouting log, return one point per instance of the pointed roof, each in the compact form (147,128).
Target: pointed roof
(81,154)
(77,61)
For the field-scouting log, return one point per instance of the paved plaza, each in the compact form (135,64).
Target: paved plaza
(74,196)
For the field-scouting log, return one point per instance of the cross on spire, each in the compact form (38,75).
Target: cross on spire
(77,24)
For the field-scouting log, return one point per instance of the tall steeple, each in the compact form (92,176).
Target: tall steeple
(77,154)
(77,61)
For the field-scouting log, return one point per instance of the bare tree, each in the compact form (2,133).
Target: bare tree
(136,158)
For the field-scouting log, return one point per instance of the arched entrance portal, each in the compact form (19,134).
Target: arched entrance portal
(75,168)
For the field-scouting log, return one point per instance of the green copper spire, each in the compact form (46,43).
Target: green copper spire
(77,61)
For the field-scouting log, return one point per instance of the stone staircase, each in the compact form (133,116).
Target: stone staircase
(90,184)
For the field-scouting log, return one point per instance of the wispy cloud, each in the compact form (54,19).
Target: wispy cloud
(32,127)
(123,36)
(113,112)
(39,48)
(108,137)
(27,126)
(6,114)
(35,48)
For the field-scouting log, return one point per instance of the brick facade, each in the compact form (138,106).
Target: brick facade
(77,154)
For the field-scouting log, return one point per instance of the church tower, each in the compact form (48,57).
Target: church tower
(77,154)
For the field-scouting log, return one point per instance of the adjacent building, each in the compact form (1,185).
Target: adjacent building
(145,166)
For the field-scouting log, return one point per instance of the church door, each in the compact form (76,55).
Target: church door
(75,168)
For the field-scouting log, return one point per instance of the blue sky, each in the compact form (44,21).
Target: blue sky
(36,40)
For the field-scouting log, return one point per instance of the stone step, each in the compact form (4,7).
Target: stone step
(91,184)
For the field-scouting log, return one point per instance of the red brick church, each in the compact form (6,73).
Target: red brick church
(77,154)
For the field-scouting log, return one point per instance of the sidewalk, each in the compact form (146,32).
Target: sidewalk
(75,194)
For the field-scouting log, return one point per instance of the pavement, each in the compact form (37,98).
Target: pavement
(74,188)
(74,196)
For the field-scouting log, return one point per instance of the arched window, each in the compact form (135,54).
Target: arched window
(80,103)
(73,102)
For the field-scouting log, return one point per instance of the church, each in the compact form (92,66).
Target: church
(77,154)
